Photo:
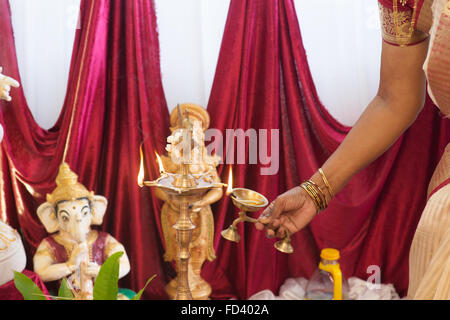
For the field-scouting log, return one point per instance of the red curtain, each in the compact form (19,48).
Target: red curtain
(263,82)
(114,102)
(8,291)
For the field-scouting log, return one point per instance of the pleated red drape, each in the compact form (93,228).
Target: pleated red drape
(114,102)
(263,81)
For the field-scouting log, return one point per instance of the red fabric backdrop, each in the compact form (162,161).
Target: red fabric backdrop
(263,82)
(8,291)
(116,97)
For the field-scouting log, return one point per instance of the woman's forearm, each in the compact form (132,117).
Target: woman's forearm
(400,99)
(379,127)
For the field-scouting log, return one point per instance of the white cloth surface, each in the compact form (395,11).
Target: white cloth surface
(294,289)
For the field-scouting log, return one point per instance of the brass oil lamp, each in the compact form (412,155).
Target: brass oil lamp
(185,188)
(249,201)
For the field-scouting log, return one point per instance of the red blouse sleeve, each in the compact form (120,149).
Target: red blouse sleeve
(402,35)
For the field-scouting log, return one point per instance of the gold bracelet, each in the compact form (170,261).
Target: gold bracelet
(327,184)
(314,200)
(315,194)
(321,192)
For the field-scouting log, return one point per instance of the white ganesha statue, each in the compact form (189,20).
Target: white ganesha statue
(73,250)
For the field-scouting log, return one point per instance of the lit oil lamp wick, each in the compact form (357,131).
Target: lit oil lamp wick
(141,174)
(230,191)
(160,164)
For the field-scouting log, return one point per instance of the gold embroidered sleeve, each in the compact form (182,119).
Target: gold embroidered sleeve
(397,31)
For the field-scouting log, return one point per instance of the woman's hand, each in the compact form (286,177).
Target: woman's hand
(291,211)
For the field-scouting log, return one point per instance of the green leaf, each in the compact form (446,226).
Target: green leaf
(106,285)
(139,294)
(28,289)
(64,290)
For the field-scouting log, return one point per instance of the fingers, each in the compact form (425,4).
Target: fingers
(5,86)
(11,82)
(273,211)
(270,233)
(4,94)
(5,97)
(270,218)
(265,217)
(289,213)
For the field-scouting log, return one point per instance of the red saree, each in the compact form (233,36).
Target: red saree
(429,260)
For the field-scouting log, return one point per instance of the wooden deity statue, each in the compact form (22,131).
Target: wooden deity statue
(74,250)
(201,247)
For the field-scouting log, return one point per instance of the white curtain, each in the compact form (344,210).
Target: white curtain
(44,32)
(342,39)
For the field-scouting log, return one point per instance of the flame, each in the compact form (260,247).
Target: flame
(230,182)
(141,169)
(161,167)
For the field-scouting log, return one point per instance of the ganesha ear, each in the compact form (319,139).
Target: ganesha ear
(47,215)
(99,205)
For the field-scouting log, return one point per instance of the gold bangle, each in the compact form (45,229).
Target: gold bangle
(315,188)
(314,200)
(314,194)
(324,198)
(327,184)
(316,204)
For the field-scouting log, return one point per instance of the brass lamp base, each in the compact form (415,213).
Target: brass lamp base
(284,246)
(200,289)
(231,234)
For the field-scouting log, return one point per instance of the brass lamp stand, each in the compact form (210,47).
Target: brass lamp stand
(184,188)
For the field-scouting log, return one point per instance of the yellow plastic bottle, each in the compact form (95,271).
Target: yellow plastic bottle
(327,282)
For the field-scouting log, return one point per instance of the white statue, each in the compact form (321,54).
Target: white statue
(12,252)
(73,249)
(5,86)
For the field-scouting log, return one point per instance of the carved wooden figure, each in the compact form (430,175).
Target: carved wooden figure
(201,248)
